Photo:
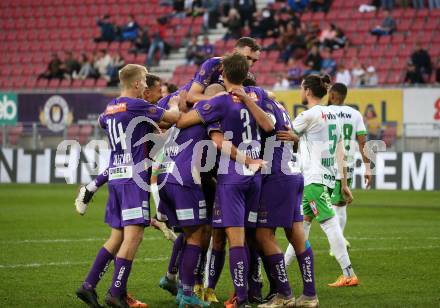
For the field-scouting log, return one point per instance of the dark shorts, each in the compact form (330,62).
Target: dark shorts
(236,205)
(127,204)
(280,202)
(183,206)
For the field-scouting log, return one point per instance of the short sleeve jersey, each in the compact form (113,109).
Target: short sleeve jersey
(352,125)
(115,120)
(319,131)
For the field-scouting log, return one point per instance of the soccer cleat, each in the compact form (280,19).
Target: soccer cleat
(179,295)
(199,291)
(232,303)
(269,296)
(83,199)
(210,295)
(134,303)
(169,285)
(168,233)
(116,302)
(232,299)
(255,299)
(279,301)
(307,301)
(88,296)
(344,281)
(192,301)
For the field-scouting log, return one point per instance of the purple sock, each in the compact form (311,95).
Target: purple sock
(101,179)
(99,267)
(191,256)
(215,267)
(306,264)
(238,266)
(173,265)
(254,277)
(120,277)
(272,284)
(200,269)
(278,272)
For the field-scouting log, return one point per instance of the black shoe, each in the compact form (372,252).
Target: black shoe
(88,296)
(255,299)
(116,302)
(88,195)
(269,296)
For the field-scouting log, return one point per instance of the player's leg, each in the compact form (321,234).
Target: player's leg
(340,207)
(325,215)
(255,281)
(85,193)
(216,262)
(103,259)
(169,281)
(199,288)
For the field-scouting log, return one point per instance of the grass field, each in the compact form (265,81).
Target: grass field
(46,250)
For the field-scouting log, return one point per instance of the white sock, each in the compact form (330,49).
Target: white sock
(307,225)
(155,192)
(341,213)
(337,245)
(208,262)
(92,186)
(289,255)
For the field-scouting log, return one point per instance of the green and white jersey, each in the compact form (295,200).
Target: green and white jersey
(319,131)
(352,126)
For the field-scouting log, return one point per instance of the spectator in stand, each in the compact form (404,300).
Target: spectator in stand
(434,4)
(86,70)
(117,63)
(246,10)
(298,5)
(108,29)
(294,41)
(413,76)
(281,84)
(102,64)
(234,25)
(422,61)
(357,74)
(157,42)
(206,50)
(328,65)
(313,61)
(142,42)
(387,4)
(264,24)
(437,71)
(194,8)
(192,51)
(387,27)
(418,4)
(328,35)
(371,78)
(54,69)
(340,39)
(129,32)
(295,72)
(211,13)
(179,8)
(343,75)
(320,5)
(70,65)
(374,126)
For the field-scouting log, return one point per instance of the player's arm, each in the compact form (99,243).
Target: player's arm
(262,118)
(172,115)
(340,160)
(206,112)
(287,135)
(201,79)
(228,148)
(188,119)
(361,133)
(195,93)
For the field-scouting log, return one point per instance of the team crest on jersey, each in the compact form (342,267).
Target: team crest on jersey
(314,208)
(269,106)
(152,110)
(202,72)
(206,107)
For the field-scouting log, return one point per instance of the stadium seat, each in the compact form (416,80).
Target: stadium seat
(84,133)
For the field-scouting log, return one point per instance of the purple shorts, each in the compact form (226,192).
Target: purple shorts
(236,205)
(127,204)
(183,206)
(280,202)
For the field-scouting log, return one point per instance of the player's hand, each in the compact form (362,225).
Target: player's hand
(287,135)
(241,94)
(256,164)
(348,196)
(368,177)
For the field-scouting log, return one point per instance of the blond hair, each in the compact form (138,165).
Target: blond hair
(131,73)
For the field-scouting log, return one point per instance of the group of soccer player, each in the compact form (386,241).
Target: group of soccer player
(230,167)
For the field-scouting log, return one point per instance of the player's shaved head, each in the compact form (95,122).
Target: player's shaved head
(213,89)
(235,68)
(337,94)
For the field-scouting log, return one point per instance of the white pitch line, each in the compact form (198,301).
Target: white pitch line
(163,258)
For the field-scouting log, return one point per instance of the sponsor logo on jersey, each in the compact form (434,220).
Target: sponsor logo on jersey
(314,208)
(112,109)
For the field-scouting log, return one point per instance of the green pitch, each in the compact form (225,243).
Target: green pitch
(46,250)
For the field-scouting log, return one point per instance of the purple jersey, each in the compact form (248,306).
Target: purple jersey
(281,157)
(115,120)
(236,120)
